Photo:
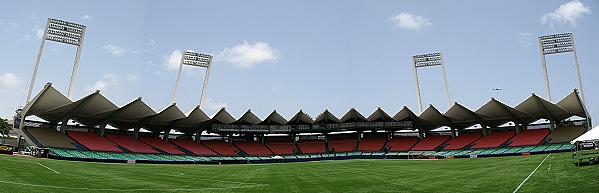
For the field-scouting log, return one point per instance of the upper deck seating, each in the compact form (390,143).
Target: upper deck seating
(430,143)
(162,145)
(529,137)
(493,140)
(253,148)
(343,144)
(402,143)
(221,147)
(130,144)
(51,138)
(462,141)
(565,134)
(372,144)
(93,141)
(313,146)
(281,147)
(193,147)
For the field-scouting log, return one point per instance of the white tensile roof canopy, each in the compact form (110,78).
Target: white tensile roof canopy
(96,110)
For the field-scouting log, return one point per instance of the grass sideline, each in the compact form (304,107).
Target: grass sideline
(497,174)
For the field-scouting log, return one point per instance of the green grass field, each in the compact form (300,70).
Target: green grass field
(499,174)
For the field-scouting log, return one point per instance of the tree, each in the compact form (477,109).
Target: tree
(4,127)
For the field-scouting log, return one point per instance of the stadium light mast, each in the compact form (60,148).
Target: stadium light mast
(424,60)
(62,32)
(194,59)
(555,44)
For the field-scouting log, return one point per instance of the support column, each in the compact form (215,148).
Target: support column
(102,129)
(420,134)
(167,133)
(453,130)
(518,128)
(485,130)
(63,126)
(136,132)
(198,136)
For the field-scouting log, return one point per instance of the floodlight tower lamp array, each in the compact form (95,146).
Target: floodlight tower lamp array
(63,32)
(425,60)
(554,44)
(194,59)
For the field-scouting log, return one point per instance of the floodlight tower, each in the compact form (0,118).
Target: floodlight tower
(424,60)
(194,59)
(554,44)
(62,32)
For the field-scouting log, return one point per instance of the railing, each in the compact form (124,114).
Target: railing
(289,128)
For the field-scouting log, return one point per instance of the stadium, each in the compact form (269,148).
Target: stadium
(91,144)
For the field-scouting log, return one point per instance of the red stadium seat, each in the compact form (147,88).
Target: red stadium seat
(93,142)
(430,143)
(130,144)
(314,146)
(343,144)
(529,137)
(253,148)
(462,141)
(162,145)
(281,147)
(402,143)
(221,147)
(193,147)
(372,144)
(493,140)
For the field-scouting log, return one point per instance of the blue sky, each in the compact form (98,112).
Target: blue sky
(309,55)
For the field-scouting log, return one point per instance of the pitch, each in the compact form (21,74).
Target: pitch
(498,174)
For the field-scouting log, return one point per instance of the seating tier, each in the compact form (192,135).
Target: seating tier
(371,144)
(51,138)
(193,147)
(281,147)
(221,147)
(130,144)
(565,134)
(162,145)
(253,148)
(93,141)
(314,146)
(462,141)
(529,137)
(343,145)
(493,140)
(430,143)
(402,143)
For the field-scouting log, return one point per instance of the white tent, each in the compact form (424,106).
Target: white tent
(591,135)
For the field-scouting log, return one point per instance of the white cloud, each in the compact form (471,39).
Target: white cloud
(247,55)
(410,21)
(87,17)
(39,33)
(173,60)
(566,13)
(10,80)
(524,38)
(210,105)
(115,50)
(132,77)
(10,24)
(151,42)
(109,80)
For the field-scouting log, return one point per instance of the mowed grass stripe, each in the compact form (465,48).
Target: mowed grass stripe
(499,174)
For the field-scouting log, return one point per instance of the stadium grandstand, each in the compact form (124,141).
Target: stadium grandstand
(104,131)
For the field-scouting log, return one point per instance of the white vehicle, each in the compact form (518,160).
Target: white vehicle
(28,150)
